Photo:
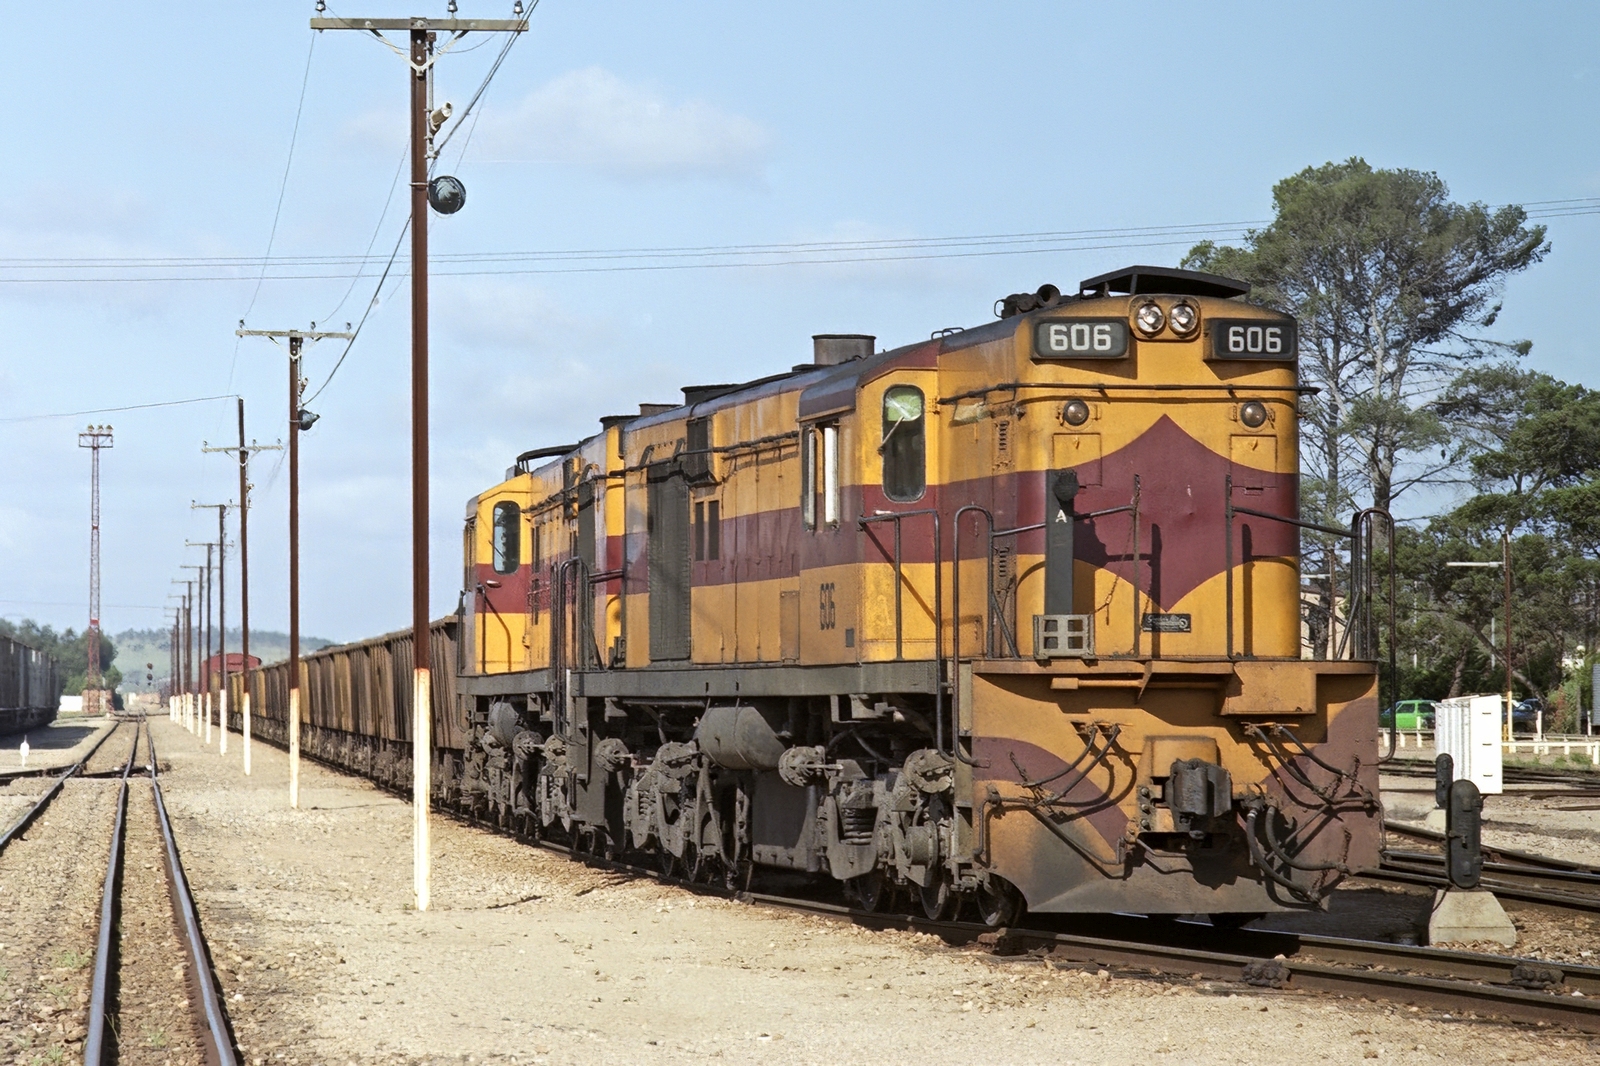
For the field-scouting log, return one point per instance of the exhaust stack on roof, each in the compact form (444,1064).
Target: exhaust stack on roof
(831,349)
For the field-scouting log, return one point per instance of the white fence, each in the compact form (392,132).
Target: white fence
(1550,744)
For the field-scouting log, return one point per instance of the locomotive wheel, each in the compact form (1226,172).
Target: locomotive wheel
(736,876)
(870,890)
(939,900)
(1232,922)
(999,903)
(699,862)
(665,860)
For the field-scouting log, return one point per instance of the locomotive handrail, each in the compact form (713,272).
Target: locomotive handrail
(1334,530)
(483,645)
(1102,386)
(897,517)
(1362,534)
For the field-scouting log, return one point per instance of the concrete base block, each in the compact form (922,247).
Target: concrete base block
(1461,915)
(1435,819)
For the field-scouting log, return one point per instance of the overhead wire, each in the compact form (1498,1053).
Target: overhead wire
(376,294)
(115,410)
(795,253)
(377,291)
(355,279)
(277,211)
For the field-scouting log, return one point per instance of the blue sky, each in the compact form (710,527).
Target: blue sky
(153,132)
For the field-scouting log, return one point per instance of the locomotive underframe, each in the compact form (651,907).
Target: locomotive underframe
(852,785)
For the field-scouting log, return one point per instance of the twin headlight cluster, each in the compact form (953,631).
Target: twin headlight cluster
(1252,413)
(1150,319)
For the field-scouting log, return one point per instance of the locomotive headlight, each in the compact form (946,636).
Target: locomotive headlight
(1149,319)
(1075,413)
(1253,414)
(1185,317)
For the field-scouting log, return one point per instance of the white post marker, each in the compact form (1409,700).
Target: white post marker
(294,746)
(206,705)
(244,709)
(1467,728)
(222,722)
(421,754)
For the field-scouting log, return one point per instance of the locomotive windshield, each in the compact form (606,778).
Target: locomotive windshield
(904,447)
(507,537)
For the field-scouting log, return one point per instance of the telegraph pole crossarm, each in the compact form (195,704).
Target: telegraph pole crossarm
(424,123)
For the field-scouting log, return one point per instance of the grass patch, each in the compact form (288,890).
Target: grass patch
(72,960)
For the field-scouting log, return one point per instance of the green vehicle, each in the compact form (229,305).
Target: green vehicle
(1408,714)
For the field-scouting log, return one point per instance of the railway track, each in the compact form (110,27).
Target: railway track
(148,930)
(1511,775)
(1511,874)
(20,825)
(1513,989)
(1502,987)
(1498,986)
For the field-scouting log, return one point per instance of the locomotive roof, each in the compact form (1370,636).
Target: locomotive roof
(1165,281)
(831,389)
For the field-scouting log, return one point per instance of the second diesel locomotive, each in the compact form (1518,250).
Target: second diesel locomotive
(1010,616)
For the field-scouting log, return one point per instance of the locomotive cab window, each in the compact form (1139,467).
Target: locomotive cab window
(507,537)
(904,448)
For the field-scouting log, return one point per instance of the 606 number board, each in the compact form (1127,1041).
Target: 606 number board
(1081,338)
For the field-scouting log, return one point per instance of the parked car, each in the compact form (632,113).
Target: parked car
(1408,714)
(1525,714)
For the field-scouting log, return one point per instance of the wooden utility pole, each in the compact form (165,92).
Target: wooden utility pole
(1505,567)
(299,419)
(183,656)
(244,452)
(421,56)
(208,585)
(204,641)
(222,619)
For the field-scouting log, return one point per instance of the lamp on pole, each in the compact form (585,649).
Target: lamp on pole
(1504,564)
(446,195)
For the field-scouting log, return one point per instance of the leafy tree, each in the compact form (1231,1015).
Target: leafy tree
(70,651)
(1393,284)
(1532,446)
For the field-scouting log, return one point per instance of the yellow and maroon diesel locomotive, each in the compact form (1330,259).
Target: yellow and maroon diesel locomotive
(1009,616)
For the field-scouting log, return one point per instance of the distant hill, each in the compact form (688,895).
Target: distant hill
(136,647)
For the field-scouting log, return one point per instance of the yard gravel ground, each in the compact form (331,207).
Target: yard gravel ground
(527,957)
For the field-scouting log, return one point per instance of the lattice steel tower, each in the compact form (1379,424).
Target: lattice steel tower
(94,438)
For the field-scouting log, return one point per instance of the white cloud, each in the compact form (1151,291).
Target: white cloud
(594,119)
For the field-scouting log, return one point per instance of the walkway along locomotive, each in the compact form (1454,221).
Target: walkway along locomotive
(1009,615)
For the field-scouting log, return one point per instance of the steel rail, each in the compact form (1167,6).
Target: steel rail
(94,1042)
(1532,875)
(1506,889)
(33,812)
(1512,774)
(1528,860)
(219,1044)
(1450,994)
